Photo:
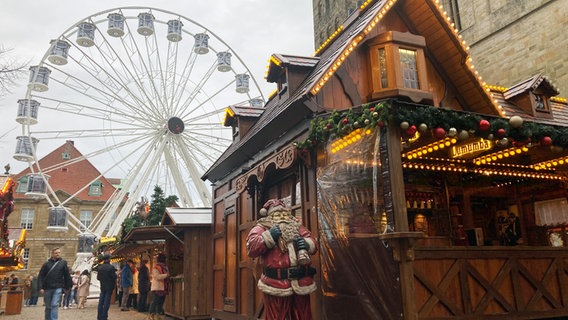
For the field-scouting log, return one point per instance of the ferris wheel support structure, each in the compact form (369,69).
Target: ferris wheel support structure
(144,102)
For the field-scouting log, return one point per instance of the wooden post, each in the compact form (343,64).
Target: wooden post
(401,240)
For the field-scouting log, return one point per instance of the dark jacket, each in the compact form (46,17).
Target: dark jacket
(143,279)
(106,274)
(58,277)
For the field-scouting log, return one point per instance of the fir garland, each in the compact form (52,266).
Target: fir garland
(410,118)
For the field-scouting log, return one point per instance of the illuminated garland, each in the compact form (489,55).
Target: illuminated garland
(442,122)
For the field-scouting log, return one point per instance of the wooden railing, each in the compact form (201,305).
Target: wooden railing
(491,282)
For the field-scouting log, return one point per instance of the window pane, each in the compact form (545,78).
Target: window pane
(383,68)
(409,69)
(26,257)
(27,219)
(86,217)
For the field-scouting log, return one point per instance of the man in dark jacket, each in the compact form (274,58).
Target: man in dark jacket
(143,286)
(53,278)
(106,274)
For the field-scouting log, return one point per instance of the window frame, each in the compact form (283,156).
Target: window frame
(96,189)
(29,221)
(23,184)
(83,221)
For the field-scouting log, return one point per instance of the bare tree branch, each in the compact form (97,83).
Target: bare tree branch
(11,70)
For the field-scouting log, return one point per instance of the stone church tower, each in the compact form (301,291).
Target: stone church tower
(509,40)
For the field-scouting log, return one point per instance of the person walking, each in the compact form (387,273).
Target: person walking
(126,278)
(143,286)
(133,297)
(72,299)
(83,286)
(35,290)
(27,290)
(160,288)
(53,278)
(106,274)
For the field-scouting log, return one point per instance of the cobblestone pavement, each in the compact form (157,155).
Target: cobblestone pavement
(89,313)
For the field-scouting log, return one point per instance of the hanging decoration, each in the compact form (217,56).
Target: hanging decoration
(442,123)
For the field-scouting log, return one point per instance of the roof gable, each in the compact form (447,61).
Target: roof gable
(423,17)
(537,82)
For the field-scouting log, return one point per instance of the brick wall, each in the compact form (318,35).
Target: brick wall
(328,16)
(512,40)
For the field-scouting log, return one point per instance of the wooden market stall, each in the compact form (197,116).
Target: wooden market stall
(186,236)
(433,195)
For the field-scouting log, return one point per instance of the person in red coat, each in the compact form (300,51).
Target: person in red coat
(284,246)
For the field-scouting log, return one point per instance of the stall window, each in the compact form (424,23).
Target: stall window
(553,214)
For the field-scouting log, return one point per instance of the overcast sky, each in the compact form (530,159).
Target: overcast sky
(253,28)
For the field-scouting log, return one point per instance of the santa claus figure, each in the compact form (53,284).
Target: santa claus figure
(284,246)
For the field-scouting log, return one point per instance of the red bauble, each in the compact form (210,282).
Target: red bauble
(546,141)
(381,123)
(411,130)
(345,121)
(439,133)
(484,125)
(501,132)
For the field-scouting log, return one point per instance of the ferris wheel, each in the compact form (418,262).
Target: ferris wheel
(142,93)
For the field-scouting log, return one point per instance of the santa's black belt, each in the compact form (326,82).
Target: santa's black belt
(289,273)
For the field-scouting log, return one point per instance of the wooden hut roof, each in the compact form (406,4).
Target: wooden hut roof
(424,17)
(558,107)
(532,84)
(279,61)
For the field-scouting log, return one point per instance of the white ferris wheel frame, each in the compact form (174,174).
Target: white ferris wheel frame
(163,143)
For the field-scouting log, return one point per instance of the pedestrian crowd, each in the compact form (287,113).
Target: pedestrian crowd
(134,286)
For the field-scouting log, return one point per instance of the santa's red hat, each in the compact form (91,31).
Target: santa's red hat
(271,206)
